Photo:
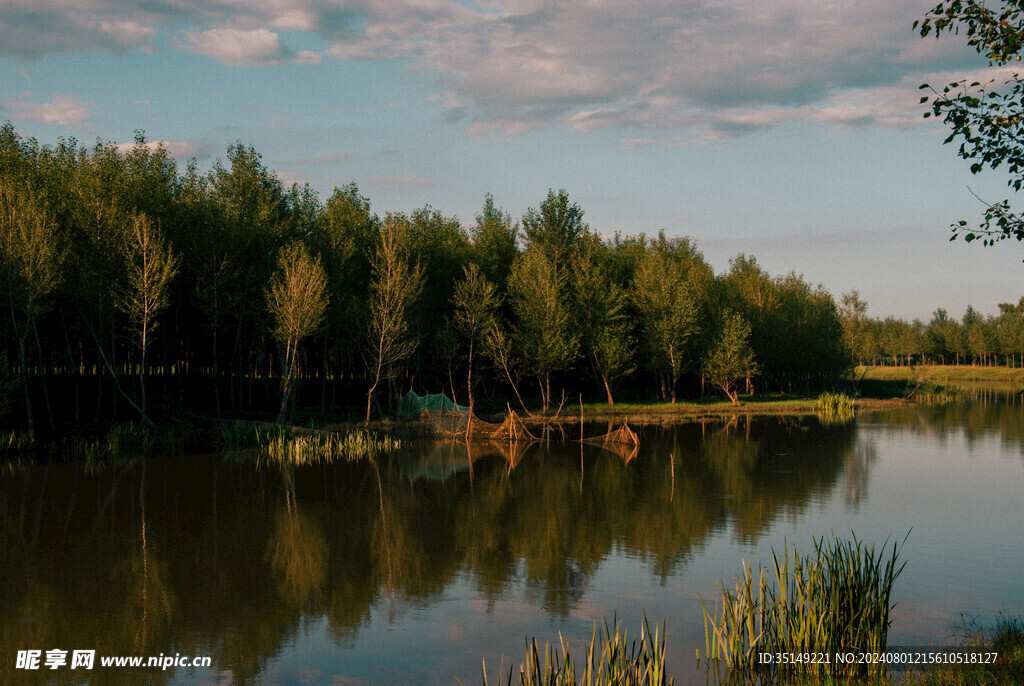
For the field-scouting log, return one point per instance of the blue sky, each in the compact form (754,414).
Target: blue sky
(788,130)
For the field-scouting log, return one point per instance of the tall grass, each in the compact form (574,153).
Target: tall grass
(836,600)
(276,444)
(15,441)
(929,393)
(611,658)
(834,408)
(1005,637)
(835,403)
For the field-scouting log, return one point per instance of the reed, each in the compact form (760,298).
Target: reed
(123,435)
(835,403)
(929,393)
(15,441)
(834,601)
(1005,637)
(611,658)
(279,445)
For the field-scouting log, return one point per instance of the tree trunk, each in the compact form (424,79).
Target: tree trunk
(76,369)
(117,384)
(369,395)
(216,368)
(24,371)
(42,377)
(286,388)
(733,396)
(608,391)
(142,371)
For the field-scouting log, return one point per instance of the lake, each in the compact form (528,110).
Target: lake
(415,567)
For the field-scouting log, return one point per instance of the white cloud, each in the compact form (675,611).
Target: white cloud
(237,48)
(129,33)
(660,69)
(63,110)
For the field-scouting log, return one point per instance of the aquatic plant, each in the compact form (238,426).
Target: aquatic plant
(1005,638)
(835,404)
(611,658)
(15,441)
(929,393)
(833,601)
(834,408)
(281,445)
(123,435)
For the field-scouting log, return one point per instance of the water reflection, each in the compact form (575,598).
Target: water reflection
(206,556)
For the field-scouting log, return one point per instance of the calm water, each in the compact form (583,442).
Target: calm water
(413,569)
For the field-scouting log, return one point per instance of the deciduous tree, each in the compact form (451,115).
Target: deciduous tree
(31,258)
(476,302)
(394,291)
(730,359)
(600,312)
(150,265)
(544,336)
(297,299)
(667,293)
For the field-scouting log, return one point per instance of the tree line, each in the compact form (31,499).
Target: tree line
(132,287)
(974,339)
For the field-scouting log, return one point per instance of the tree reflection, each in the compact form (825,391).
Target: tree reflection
(219,558)
(297,552)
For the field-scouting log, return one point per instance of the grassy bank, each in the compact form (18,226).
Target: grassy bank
(946,374)
(775,404)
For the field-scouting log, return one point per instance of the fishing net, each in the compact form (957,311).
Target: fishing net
(622,441)
(446,416)
(512,429)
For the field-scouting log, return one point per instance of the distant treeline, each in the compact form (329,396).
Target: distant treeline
(975,339)
(132,287)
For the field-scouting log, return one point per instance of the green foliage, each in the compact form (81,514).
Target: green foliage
(345,237)
(833,601)
(297,294)
(796,331)
(122,436)
(987,118)
(544,335)
(835,403)
(554,229)
(15,441)
(271,444)
(834,408)
(930,393)
(601,314)
(297,300)
(494,239)
(611,659)
(100,244)
(396,288)
(730,358)
(856,333)
(1005,637)
(669,292)
(476,302)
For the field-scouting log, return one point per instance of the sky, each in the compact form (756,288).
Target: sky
(790,130)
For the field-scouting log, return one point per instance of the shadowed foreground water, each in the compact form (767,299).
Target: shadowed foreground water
(413,568)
